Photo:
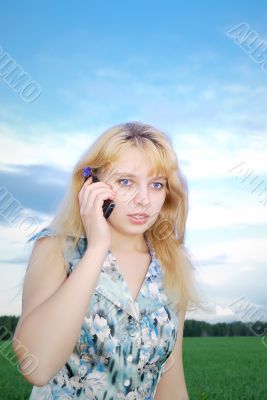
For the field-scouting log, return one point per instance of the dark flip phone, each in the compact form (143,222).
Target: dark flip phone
(108,204)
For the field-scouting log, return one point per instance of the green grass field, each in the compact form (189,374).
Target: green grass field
(216,368)
(225,368)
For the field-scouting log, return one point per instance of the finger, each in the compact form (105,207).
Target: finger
(99,200)
(90,199)
(88,184)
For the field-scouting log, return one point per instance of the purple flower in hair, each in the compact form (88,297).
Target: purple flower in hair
(87,171)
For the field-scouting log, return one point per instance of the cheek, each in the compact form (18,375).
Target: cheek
(123,202)
(164,197)
(124,195)
(159,198)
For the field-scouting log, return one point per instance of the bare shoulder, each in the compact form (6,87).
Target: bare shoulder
(45,273)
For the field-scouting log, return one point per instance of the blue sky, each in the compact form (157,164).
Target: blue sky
(173,65)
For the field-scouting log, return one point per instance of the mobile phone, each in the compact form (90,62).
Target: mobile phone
(108,204)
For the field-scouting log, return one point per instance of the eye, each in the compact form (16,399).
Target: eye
(159,183)
(123,179)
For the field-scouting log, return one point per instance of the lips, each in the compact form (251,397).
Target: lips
(139,215)
(138,219)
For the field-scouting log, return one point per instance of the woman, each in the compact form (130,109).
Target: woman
(104,298)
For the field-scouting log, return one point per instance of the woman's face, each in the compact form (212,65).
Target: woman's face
(137,191)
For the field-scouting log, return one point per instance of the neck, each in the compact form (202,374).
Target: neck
(128,243)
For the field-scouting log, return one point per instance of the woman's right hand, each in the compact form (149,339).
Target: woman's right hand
(91,199)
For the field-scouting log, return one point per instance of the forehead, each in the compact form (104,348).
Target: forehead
(134,162)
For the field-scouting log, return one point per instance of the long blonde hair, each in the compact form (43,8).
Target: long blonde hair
(167,234)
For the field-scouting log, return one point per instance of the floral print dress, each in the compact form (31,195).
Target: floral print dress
(123,344)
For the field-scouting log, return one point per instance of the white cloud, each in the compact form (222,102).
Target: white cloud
(207,216)
(237,251)
(51,147)
(14,246)
(218,152)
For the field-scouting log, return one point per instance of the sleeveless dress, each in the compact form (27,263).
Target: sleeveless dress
(123,344)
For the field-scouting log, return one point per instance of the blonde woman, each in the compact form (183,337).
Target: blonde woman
(105,297)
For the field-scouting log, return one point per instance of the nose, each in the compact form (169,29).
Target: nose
(141,199)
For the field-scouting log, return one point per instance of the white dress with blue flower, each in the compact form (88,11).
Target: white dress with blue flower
(123,344)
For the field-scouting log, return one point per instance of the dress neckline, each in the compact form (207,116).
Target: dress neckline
(116,264)
(121,275)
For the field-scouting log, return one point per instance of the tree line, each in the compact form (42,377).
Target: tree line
(192,328)
(236,328)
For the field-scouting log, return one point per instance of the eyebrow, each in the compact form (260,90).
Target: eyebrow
(134,176)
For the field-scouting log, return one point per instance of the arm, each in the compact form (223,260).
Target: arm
(172,383)
(53,311)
